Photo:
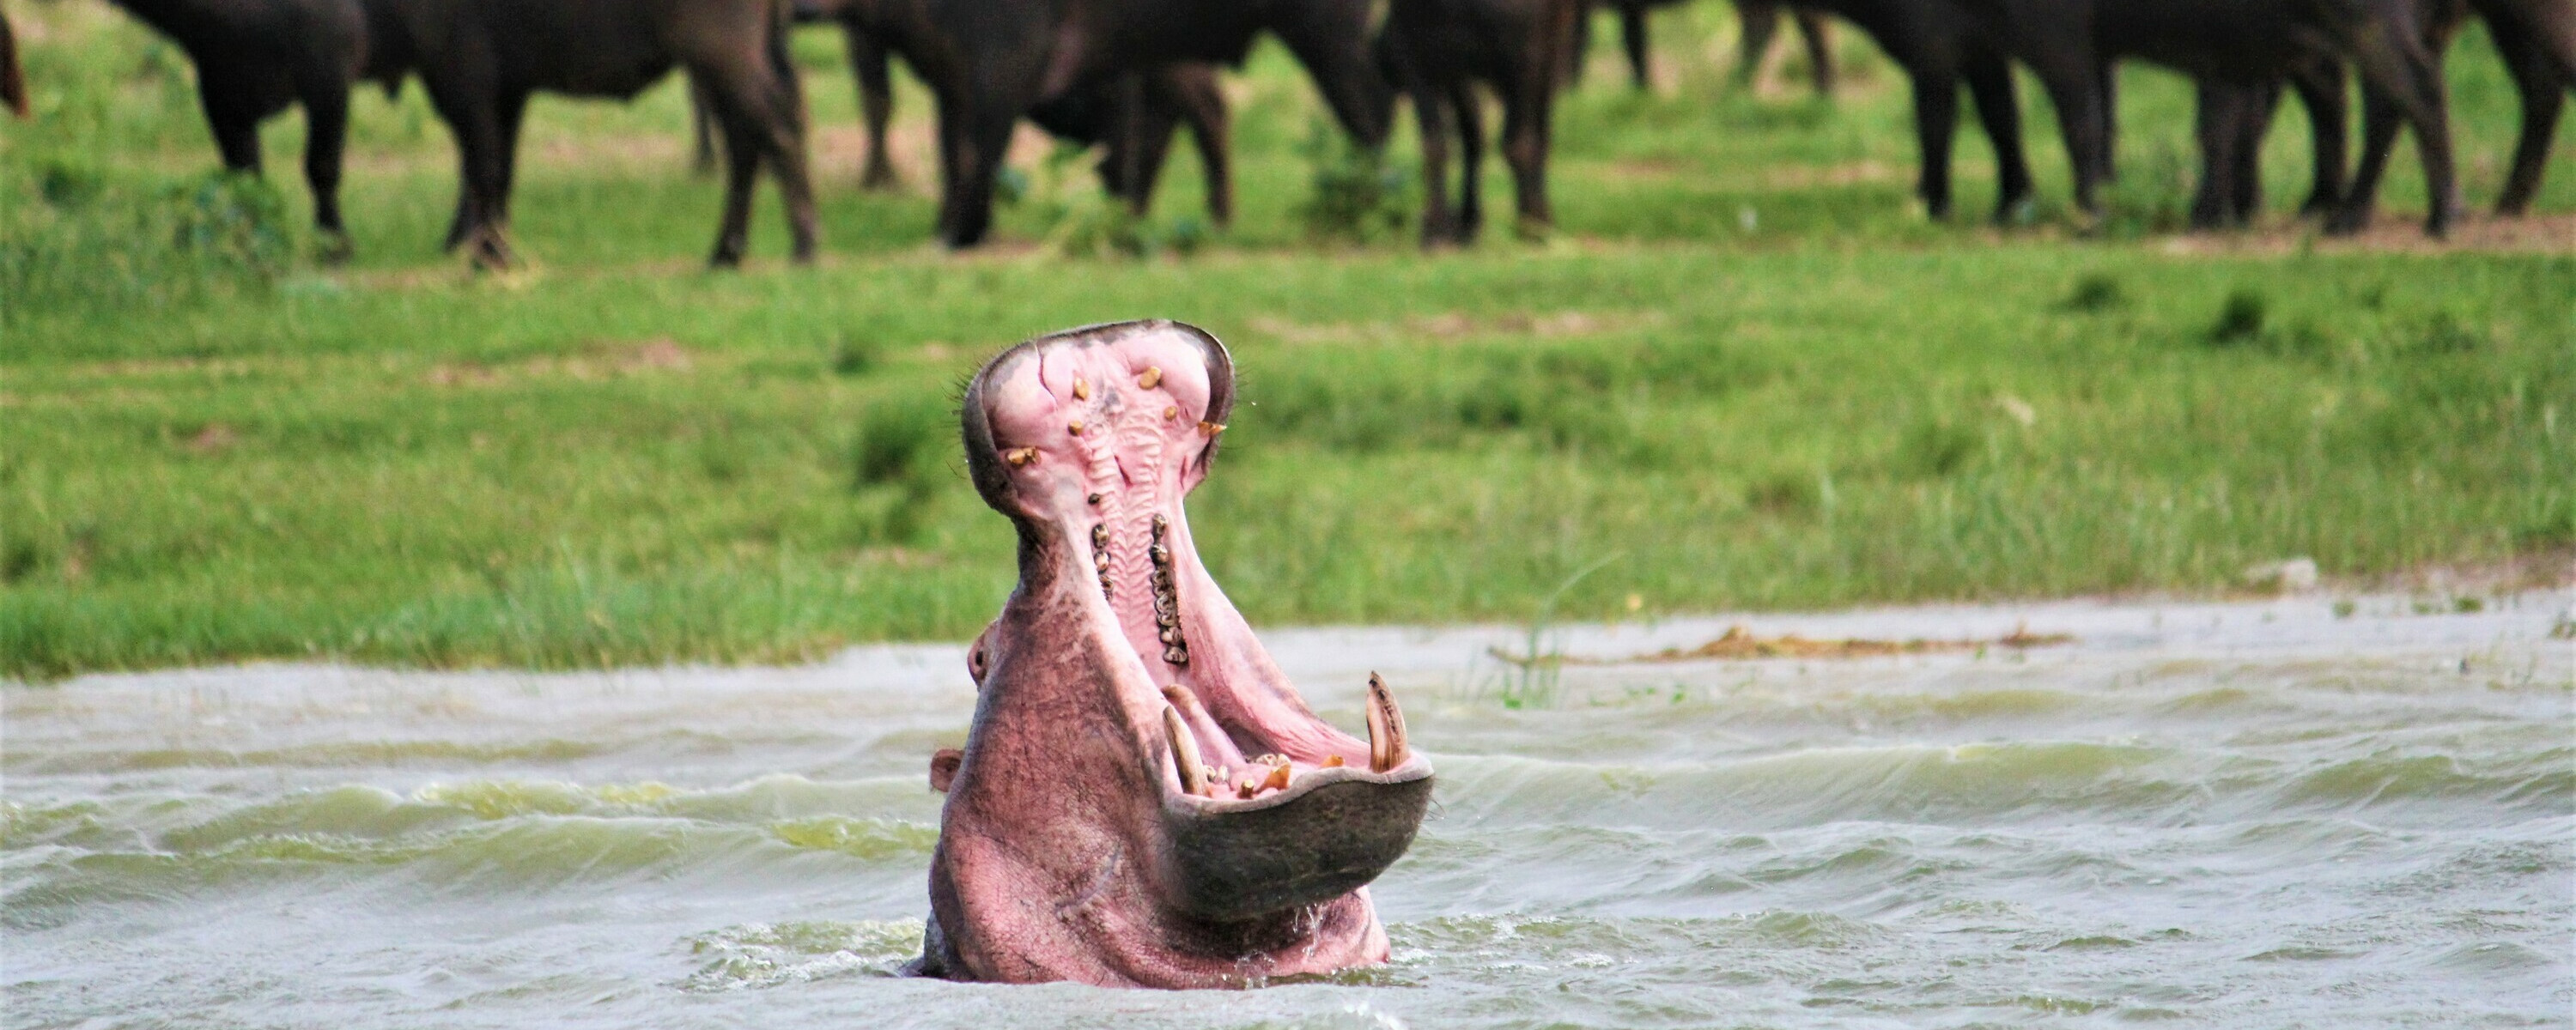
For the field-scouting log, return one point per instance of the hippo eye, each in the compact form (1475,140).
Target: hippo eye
(976,662)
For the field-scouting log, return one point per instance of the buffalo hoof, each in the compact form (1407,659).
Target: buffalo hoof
(2437,224)
(2016,212)
(332,248)
(492,252)
(880,178)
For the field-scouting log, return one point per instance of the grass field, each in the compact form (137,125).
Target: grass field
(1744,372)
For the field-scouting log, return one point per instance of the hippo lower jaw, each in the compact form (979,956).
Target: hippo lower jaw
(1143,798)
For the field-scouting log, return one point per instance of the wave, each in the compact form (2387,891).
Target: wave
(2045,781)
(476,835)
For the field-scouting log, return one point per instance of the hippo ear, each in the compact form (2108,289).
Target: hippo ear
(943,767)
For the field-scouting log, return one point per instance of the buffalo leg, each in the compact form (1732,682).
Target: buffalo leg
(1526,110)
(702,131)
(234,121)
(1470,113)
(951,134)
(2320,87)
(976,145)
(1936,119)
(2254,110)
(508,115)
(1634,39)
(743,150)
(1432,117)
(2379,125)
(1146,124)
(2396,69)
(2544,84)
(1990,84)
(2217,125)
(2077,86)
(785,136)
(2106,119)
(1812,27)
(326,118)
(763,117)
(1755,21)
(472,113)
(2208,131)
(1210,126)
(876,104)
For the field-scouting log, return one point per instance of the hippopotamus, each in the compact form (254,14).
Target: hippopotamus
(1144,800)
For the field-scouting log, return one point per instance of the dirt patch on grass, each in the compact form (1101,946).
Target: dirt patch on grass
(1451,325)
(1850,173)
(2393,232)
(1740,644)
(598,360)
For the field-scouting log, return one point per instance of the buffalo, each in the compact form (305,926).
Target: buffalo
(255,58)
(992,62)
(482,59)
(1436,50)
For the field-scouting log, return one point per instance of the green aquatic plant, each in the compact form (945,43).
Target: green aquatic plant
(1529,679)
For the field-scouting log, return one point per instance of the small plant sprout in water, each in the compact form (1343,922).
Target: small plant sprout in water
(1529,679)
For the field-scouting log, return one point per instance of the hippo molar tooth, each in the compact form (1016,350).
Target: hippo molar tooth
(1081,389)
(1152,377)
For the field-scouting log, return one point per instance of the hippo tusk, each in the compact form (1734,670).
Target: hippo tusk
(1386,728)
(1185,752)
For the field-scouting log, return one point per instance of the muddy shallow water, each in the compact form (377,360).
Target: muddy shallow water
(2254,815)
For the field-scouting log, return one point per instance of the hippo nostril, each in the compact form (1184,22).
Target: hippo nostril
(979,655)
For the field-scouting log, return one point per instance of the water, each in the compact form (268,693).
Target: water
(2251,815)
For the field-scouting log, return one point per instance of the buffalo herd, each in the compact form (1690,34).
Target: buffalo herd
(1129,74)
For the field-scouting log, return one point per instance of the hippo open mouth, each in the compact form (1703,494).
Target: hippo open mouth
(1143,798)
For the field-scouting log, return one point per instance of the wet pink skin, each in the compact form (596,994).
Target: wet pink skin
(1053,861)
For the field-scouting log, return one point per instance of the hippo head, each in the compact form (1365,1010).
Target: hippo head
(1143,799)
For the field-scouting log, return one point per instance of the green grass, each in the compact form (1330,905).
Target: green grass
(209,451)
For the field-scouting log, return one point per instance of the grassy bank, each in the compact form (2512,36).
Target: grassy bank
(1745,374)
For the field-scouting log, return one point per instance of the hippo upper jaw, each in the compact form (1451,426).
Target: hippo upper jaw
(1143,798)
